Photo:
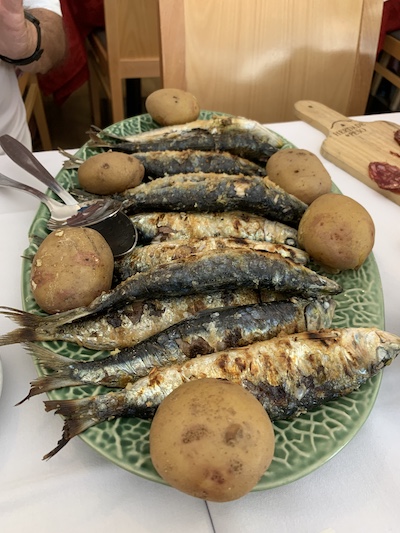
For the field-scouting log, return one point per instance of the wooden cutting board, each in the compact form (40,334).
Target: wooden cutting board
(352,145)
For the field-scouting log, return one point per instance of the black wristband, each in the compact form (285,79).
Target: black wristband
(37,53)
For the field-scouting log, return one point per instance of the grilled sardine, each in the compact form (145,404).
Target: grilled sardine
(289,375)
(207,333)
(240,136)
(169,162)
(167,226)
(127,326)
(143,258)
(210,193)
(208,272)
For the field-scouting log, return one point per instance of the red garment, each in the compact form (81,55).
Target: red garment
(80,19)
(390,20)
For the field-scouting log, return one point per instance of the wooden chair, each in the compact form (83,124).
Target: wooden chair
(256,58)
(127,48)
(390,53)
(30,91)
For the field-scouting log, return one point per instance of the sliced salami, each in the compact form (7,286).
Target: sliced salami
(385,176)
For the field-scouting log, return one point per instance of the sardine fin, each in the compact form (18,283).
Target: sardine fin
(54,361)
(78,418)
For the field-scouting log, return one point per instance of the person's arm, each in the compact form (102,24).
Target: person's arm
(53,40)
(18,36)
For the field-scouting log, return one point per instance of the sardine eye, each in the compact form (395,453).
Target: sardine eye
(290,241)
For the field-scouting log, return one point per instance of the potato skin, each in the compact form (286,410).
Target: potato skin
(71,267)
(172,106)
(337,232)
(110,172)
(212,439)
(300,173)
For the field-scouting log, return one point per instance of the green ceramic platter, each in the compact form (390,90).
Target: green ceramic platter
(302,444)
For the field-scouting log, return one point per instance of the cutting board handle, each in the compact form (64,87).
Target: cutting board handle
(317,115)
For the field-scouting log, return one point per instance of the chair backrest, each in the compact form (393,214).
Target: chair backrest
(128,48)
(132,37)
(256,58)
(385,68)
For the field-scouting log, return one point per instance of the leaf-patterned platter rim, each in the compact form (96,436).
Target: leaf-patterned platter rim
(302,444)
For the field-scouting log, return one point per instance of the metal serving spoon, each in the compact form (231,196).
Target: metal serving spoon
(118,234)
(87,213)
(59,213)
(103,215)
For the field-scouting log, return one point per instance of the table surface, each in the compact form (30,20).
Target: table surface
(78,490)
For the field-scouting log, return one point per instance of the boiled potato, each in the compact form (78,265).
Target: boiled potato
(110,172)
(70,268)
(337,232)
(300,173)
(212,439)
(172,106)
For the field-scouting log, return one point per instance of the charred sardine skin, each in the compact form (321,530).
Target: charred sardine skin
(206,333)
(168,226)
(243,137)
(202,192)
(127,326)
(216,124)
(292,374)
(226,270)
(169,162)
(142,258)
(288,375)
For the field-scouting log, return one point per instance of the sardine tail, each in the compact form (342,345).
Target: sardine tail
(53,361)
(47,358)
(78,418)
(42,327)
(60,444)
(17,336)
(21,317)
(48,383)
(27,332)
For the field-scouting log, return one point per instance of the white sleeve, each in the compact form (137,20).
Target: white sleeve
(52,5)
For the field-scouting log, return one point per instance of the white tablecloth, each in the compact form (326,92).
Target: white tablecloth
(357,491)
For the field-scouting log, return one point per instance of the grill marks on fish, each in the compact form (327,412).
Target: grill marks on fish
(171,226)
(207,272)
(206,333)
(126,326)
(239,136)
(143,258)
(158,164)
(202,192)
(288,375)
